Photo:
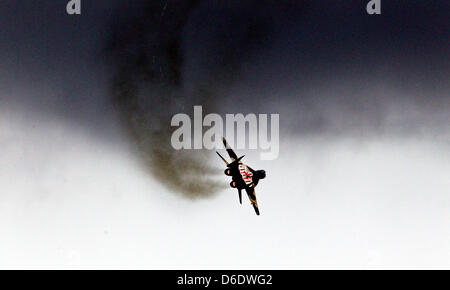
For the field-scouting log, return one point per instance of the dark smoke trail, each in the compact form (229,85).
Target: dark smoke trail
(148,88)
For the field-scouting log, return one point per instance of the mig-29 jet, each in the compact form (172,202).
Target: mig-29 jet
(243,176)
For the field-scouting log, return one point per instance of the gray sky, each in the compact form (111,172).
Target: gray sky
(361,181)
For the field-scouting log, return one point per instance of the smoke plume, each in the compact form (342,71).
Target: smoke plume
(149,87)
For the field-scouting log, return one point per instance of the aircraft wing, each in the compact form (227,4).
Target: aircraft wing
(252,196)
(230,151)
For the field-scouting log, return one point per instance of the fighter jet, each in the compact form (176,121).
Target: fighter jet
(243,176)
